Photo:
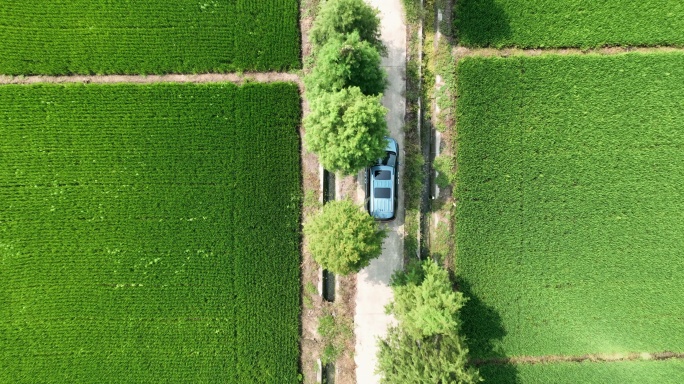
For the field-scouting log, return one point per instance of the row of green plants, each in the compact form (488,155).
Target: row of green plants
(346,127)
(568,223)
(569,23)
(426,345)
(151,37)
(150,233)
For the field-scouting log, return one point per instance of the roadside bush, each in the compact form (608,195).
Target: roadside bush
(345,62)
(337,18)
(346,129)
(342,238)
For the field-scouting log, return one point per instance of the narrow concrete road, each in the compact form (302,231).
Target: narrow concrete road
(372,286)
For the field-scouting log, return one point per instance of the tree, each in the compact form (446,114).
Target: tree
(346,129)
(342,238)
(430,306)
(344,63)
(437,359)
(425,346)
(341,17)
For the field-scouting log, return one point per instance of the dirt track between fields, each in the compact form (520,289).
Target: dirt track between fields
(595,358)
(460,51)
(238,78)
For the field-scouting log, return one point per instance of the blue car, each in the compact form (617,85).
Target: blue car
(381,184)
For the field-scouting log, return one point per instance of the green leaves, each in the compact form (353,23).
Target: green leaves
(346,126)
(342,238)
(346,129)
(569,171)
(346,61)
(425,346)
(430,307)
(338,18)
(150,233)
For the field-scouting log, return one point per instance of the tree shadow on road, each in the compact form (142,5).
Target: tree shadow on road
(482,328)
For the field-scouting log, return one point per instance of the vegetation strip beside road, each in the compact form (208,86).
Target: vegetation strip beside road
(569,23)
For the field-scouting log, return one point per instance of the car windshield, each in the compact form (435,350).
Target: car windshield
(382,193)
(382,175)
(390,159)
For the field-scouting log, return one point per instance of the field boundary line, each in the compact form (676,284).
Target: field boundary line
(460,51)
(239,78)
(594,358)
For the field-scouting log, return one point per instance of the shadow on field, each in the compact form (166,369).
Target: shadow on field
(482,326)
(480,23)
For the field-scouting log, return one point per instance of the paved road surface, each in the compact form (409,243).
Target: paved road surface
(372,287)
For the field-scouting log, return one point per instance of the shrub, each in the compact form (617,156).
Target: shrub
(403,359)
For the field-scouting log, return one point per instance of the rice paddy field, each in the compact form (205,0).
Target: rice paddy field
(570,217)
(149,233)
(569,23)
(623,372)
(60,37)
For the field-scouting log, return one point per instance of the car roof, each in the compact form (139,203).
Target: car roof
(380,207)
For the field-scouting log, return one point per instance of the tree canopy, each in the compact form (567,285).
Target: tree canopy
(429,307)
(346,129)
(342,238)
(345,62)
(341,17)
(425,346)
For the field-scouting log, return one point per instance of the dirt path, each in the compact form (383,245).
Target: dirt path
(372,284)
(460,51)
(579,359)
(262,77)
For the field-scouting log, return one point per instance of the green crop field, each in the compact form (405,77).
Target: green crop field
(149,233)
(569,222)
(59,37)
(569,23)
(623,372)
